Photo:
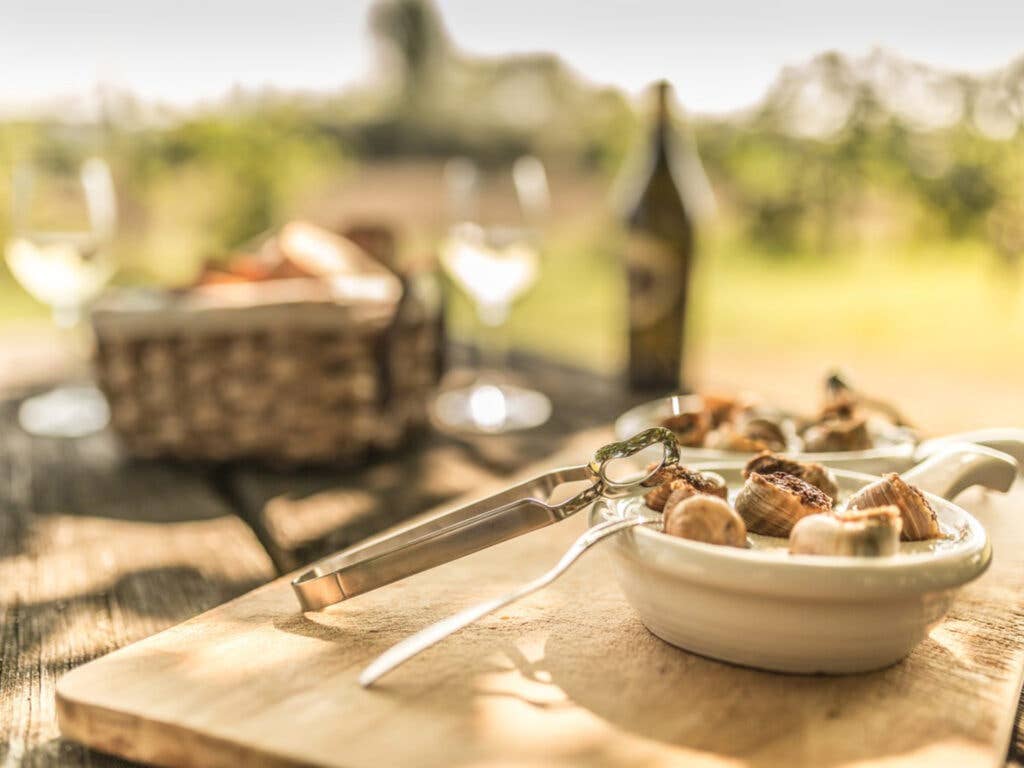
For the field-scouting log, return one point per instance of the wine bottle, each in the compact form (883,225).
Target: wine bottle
(658,256)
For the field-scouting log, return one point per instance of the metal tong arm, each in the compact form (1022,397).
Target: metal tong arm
(491,520)
(512,512)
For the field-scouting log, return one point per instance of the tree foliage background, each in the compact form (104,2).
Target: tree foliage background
(838,151)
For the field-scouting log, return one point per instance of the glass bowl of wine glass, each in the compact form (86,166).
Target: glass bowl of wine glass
(63,219)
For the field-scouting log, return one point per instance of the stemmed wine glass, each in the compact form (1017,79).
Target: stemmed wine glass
(63,218)
(494,263)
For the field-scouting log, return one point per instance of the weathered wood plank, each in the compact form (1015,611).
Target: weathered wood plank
(1015,758)
(96,553)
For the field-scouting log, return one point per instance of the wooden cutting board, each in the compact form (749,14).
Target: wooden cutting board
(567,677)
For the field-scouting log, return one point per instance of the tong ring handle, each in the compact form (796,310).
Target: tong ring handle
(620,450)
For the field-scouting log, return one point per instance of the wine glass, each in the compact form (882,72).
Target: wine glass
(494,264)
(63,217)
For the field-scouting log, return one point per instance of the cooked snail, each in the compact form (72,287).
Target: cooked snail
(919,519)
(871,532)
(725,438)
(720,408)
(839,408)
(772,504)
(683,482)
(728,438)
(849,420)
(705,518)
(767,431)
(753,430)
(817,475)
(843,401)
(690,428)
(850,434)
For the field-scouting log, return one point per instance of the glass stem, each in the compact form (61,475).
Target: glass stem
(76,335)
(492,345)
(67,316)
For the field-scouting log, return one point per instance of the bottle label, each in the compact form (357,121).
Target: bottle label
(655,280)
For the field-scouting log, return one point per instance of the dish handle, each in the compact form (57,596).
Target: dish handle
(956,466)
(1006,439)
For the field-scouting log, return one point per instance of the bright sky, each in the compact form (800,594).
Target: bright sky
(721,54)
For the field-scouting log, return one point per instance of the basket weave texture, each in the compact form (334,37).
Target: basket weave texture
(291,392)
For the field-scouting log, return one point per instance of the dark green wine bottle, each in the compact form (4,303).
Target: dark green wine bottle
(659,257)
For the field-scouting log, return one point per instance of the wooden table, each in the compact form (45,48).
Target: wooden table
(97,551)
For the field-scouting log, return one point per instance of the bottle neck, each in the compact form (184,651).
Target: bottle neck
(661,128)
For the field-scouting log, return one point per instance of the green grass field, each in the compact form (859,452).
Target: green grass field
(948,305)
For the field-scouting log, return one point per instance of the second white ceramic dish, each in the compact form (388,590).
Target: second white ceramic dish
(765,608)
(896,449)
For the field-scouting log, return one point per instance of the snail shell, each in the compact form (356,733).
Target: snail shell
(708,484)
(819,476)
(753,431)
(680,480)
(766,431)
(706,518)
(772,504)
(690,428)
(919,519)
(858,533)
(840,409)
(838,435)
(843,401)
(725,438)
(720,408)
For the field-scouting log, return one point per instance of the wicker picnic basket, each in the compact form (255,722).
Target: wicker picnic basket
(293,378)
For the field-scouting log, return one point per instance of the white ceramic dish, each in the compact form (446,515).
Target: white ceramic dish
(896,449)
(762,607)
